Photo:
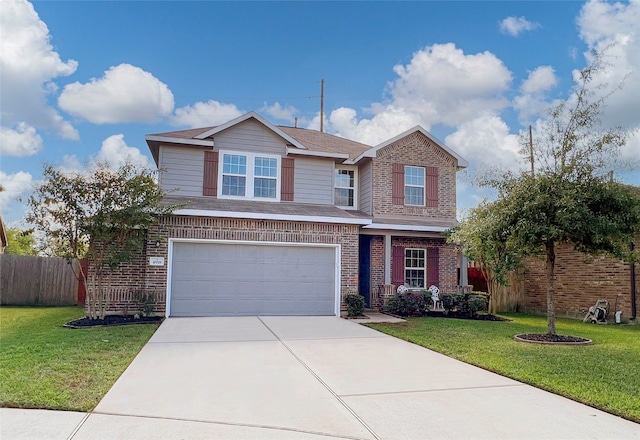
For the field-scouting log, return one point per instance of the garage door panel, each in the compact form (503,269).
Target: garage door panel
(223,279)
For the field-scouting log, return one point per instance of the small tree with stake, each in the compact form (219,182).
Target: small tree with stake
(102,211)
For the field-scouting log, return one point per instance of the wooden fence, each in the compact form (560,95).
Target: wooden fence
(42,281)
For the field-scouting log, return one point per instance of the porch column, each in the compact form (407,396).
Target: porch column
(464,272)
(387,258)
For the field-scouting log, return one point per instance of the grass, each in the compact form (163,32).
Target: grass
(604,375)
(43,365)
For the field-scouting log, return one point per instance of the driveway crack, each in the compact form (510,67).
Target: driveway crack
(323,383)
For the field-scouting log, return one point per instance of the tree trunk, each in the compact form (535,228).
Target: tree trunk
(551,311)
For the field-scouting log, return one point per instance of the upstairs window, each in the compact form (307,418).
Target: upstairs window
(345,187)
(234,175)
(414,178)
(249,176)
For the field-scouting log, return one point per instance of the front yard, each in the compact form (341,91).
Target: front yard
(603,375)
(43,365)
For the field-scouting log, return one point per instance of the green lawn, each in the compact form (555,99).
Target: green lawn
(605,375)
(43,365)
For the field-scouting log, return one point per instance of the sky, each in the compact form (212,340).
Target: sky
(82,81)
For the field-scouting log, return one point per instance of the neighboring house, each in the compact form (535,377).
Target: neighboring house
(285,221)
(580,282)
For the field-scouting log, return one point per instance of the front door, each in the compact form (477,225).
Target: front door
(364,269)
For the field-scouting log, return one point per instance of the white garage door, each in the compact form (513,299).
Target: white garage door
(223,279)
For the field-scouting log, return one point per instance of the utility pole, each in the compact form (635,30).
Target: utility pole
(531,151)
(322,106)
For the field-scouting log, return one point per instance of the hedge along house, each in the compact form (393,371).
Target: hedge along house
(285,221)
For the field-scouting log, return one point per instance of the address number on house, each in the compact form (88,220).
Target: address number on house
(156,261)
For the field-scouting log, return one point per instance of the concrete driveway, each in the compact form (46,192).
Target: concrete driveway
(321,378)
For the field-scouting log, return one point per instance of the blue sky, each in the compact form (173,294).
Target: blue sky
(88,80)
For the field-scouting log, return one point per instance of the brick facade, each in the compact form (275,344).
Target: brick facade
(415,150)
(447,261)
(580,283)
(140,275)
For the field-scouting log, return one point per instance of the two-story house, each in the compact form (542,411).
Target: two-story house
(285,221)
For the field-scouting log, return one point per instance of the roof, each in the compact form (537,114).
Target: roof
(460,161)
(211,206)
(300,141)
(325,143)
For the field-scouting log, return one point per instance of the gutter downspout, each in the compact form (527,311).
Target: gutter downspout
(632,266)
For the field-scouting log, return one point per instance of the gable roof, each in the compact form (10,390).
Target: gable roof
(460,161)
(300,141)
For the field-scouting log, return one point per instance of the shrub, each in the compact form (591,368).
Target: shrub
(475,303)
(409,304)
(465,303)
(146,301)
(355,304)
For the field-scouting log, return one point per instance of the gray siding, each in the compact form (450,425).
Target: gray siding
(313,181)
(365,184)
(250,136)
(183,168)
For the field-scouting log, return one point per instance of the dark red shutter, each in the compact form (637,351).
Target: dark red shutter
(398,185)
(432,186)
(287,179)
(397,266)
(433,267)
(210,177)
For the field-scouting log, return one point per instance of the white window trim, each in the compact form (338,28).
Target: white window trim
(424,186)
(424,268)
(249,183)
(355,185)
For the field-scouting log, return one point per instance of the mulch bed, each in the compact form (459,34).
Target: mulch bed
(545,338)
(112,320)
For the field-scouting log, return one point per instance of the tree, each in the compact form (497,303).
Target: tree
(483,237)
(20,242)
(101,211)
(571,196)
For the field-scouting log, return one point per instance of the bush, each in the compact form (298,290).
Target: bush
(468,304)
(355,304)
(409,304)
(451,301)
(475,303)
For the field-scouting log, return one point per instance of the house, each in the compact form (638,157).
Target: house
(580,282)
(285,221)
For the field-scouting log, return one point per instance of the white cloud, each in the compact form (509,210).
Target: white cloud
(205,114)
(440,85)
(125,93)
(533,101)
(388,122)
(21,141)
(615,26)
(444,85)
(514,26)
(29,64)
(277,111)
(116,152)
(15,186)
(487,143)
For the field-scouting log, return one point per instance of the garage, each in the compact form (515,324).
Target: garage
(249,279)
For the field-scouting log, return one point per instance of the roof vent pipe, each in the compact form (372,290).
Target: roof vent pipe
(296,122)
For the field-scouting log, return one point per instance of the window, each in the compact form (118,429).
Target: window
(266,177)
(250,176)
(415,268)
(234,171)
(414,186)
(345,187)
